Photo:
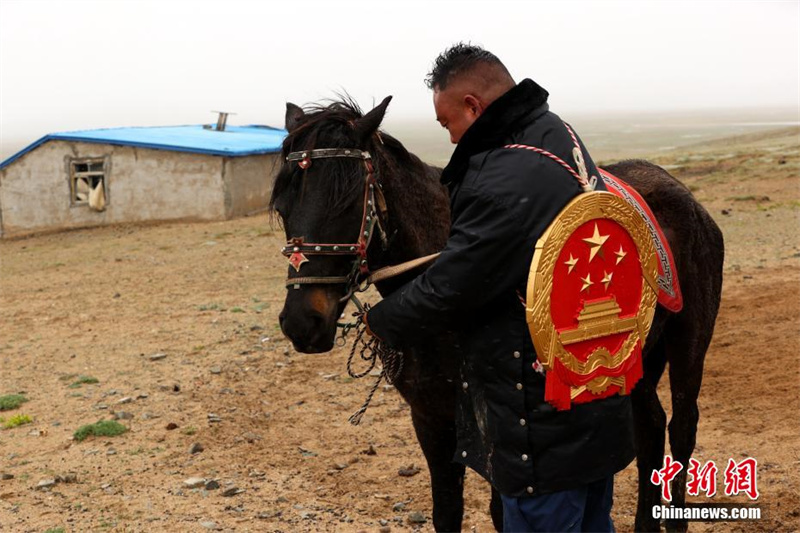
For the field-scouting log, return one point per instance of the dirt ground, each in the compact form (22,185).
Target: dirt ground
(273,423)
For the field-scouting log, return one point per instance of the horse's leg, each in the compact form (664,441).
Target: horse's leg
(496,510)
(686,353)
(437,438)
(650,426)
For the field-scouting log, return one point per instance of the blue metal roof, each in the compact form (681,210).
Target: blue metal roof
(233,142)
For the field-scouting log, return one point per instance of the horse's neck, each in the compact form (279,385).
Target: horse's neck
(418,222)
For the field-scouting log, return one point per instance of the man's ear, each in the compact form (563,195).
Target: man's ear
(294,114)
(369,123)
(474,104)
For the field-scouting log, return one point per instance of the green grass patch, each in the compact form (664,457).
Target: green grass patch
(102,428)
(237,310)
(749,198)
(55,530)
(211,307)
(191,430)
(11,401)
(777,205)
(15,421)
(84,380)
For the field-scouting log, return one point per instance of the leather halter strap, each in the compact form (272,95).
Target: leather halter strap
(320,153)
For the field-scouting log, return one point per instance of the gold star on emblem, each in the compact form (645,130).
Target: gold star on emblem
(587,282)
(620,254)
(571,263)
(596,242)
(606,279)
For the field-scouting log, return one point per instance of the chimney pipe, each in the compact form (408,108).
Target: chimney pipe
(222,120)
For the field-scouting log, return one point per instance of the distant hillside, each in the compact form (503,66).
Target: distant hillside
(611,137)
(783,135)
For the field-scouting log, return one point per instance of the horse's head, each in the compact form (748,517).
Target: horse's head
(325,194)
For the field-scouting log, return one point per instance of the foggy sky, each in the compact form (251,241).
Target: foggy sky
(68,65)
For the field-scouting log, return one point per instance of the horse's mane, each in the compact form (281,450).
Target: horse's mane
(331,126)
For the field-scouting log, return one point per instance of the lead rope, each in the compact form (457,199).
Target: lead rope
(371,350)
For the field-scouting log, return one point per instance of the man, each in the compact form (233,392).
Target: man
(554,468)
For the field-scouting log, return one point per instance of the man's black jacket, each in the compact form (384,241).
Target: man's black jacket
(502,200)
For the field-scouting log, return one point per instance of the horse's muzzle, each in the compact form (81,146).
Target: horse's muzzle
(308,333)
(308,319)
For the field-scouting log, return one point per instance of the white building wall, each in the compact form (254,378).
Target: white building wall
(248,183)
(141,185)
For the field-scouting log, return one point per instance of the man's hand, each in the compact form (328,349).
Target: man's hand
(366,326)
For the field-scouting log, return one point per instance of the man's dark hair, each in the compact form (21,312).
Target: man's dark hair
(458,59)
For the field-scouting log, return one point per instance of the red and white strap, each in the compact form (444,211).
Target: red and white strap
(582,176)
(574,137)
(554,157)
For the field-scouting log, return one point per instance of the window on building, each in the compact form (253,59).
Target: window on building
(88,183)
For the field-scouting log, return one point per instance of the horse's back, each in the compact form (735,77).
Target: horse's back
(685,222)
(696,243)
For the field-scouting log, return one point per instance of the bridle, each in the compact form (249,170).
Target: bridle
(298,251)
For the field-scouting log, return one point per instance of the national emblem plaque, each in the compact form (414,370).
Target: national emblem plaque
(591,299)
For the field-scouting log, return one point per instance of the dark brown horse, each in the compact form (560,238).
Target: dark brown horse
(327,199)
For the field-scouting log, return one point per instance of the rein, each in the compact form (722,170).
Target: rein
(372,350)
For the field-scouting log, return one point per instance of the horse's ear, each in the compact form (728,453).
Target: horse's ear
(368,124)
(294,114)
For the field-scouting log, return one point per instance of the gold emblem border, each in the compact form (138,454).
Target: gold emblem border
(586,207)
